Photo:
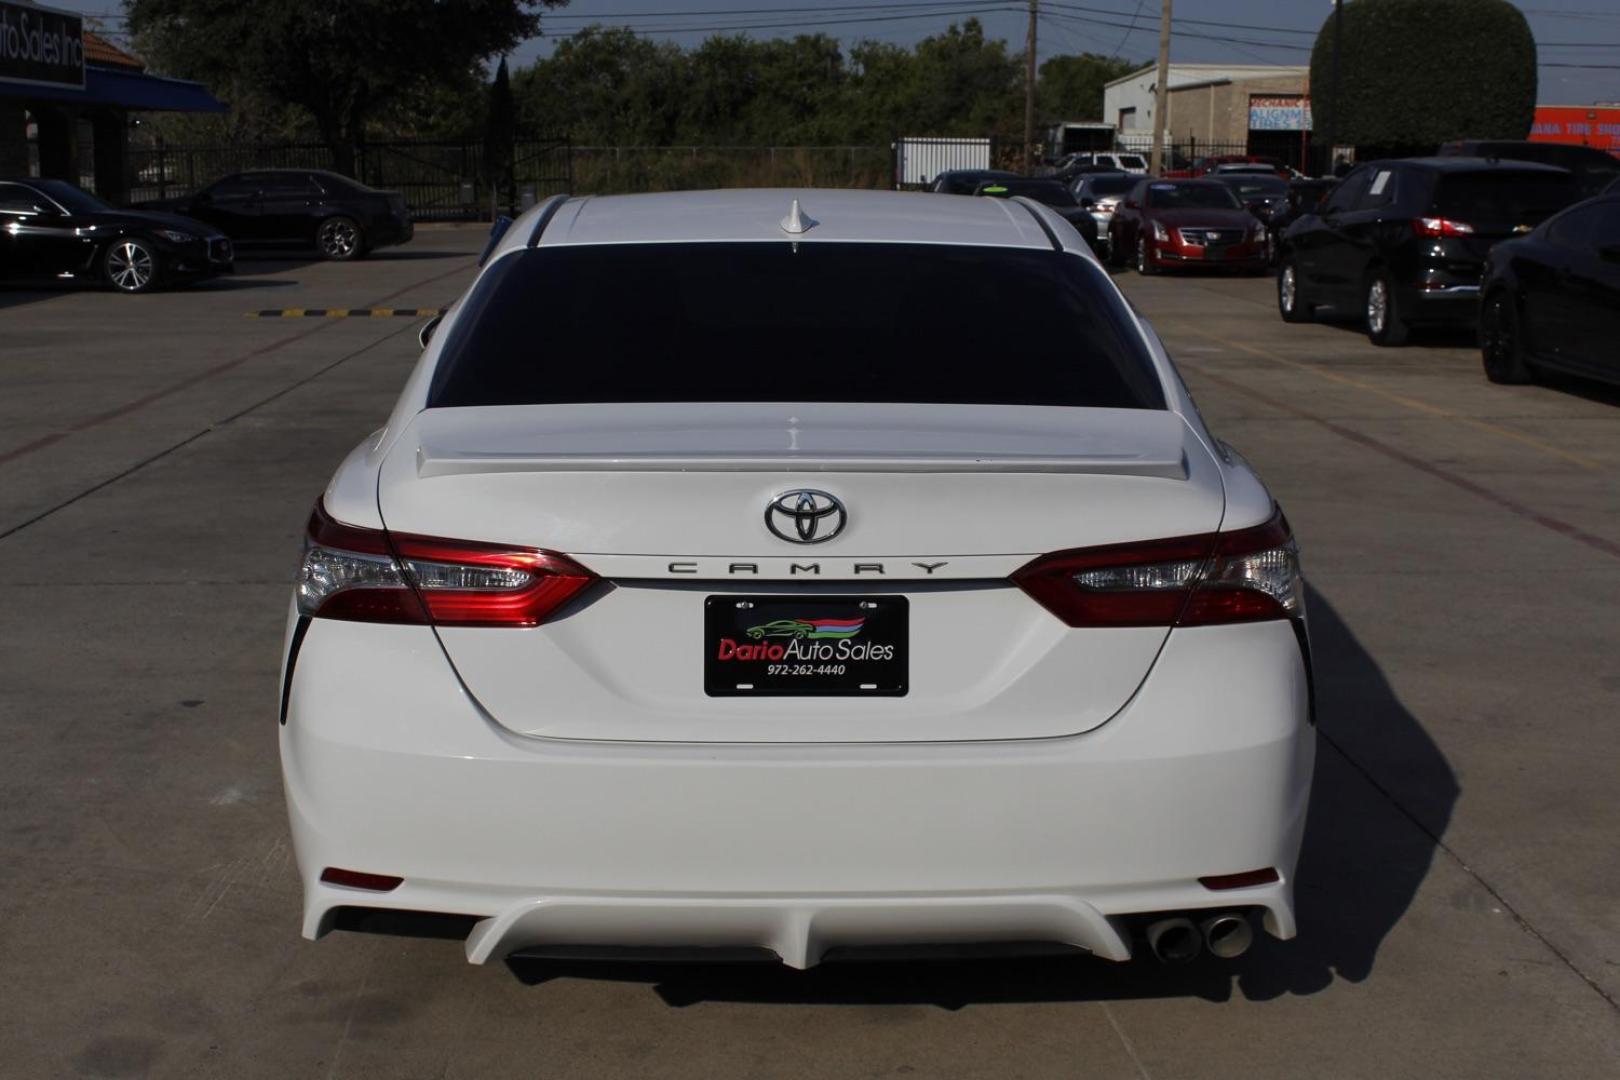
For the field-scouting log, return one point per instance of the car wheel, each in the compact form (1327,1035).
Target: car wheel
(1501,345)
(1144,260)
(1291,304)
(339,238)
(130,265)
(1381,312)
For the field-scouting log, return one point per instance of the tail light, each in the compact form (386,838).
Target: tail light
(1439,226)
(1249,575)
(370,575)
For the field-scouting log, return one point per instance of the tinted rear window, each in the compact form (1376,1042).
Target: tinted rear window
(764,322)
(1112,185)
(1503,195)
(1051,193)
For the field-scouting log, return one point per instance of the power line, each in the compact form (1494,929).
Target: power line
(810,23)
(598,16)
(1123,38)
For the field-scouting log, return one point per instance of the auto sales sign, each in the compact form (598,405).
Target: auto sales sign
(40,46)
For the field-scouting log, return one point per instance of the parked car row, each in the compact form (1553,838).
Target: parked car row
(1509,247)
(52,231)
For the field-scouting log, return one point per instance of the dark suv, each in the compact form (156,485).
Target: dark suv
(1594,169)
(1402,243)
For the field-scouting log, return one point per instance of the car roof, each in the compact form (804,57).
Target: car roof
(755,214)
(1472,164)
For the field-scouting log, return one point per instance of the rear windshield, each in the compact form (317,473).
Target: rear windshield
(1256,187)
(1210,196)
(1049,192)
(1503,195)
(1112,185)
(784,322)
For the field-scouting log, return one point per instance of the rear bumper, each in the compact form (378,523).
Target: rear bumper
(391,768)
(1444,304)
(389,230)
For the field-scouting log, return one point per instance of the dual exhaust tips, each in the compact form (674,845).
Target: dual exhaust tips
(1227,935)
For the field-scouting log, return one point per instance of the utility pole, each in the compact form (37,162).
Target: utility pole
(1029,88)
(1161,91)
(1332,132)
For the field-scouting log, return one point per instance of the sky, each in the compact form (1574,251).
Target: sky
(1569,33)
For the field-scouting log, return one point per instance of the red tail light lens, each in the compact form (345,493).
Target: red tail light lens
(1246,880)
(369,575)
(356,879)
(1249,575)
(1439,226)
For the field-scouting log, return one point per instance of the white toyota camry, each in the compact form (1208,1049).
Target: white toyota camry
(798,573)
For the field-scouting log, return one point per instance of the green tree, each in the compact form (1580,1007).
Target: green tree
(500,129)
(962,84)
(604,87)
(1071,87)
(1400,96)
(343,62)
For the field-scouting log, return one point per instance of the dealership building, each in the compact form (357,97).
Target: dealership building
(67,98)
(1231,108)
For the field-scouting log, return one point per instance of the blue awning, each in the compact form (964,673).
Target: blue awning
(132,90)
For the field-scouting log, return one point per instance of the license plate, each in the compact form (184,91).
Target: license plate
(813,645)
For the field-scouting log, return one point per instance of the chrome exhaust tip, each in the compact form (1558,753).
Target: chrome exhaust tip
(1227,935)
(1174,941)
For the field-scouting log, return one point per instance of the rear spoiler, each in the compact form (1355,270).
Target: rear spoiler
(435,463)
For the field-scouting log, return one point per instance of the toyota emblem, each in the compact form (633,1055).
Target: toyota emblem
(804,516)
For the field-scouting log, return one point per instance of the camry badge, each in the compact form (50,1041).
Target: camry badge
(804,516)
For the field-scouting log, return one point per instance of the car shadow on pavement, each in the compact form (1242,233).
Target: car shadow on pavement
(406,254)
(1422,337)
(11,297)
(1593,391)
(237,282)
(1364,859)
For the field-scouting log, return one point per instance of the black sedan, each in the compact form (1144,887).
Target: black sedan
(52,231)
(339,217)
(1552,298)
(1050,193)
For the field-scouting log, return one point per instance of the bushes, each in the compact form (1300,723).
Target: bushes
(1417,73)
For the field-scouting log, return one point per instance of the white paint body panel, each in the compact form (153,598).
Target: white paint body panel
(573,784)
(390,767)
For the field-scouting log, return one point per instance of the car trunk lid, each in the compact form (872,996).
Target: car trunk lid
(669,504)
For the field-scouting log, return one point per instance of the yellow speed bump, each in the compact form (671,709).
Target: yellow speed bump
(345,313)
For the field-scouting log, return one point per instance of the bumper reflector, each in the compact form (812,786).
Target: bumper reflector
(1240,881)
(354,879)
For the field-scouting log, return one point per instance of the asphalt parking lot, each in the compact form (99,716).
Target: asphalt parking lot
(158,458)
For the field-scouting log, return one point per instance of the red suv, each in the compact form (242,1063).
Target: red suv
(1165,223)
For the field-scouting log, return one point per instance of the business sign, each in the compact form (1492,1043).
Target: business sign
(1279,112)
(41,46)
(1578,125)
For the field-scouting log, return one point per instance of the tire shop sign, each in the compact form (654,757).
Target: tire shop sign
(41,46)
(1279,112)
